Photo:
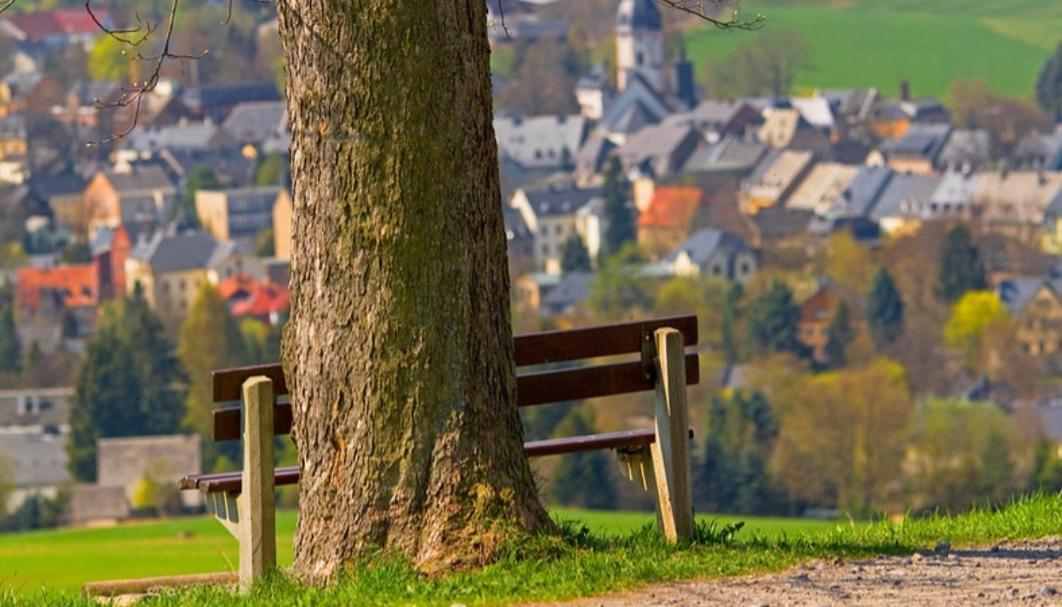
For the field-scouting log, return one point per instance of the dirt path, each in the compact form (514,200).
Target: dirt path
(1027,573)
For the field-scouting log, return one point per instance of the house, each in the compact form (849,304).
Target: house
(785,128)
(1039,151)
(35,410)
(1015,201)
(916,152)
(592,157)
(531,288)
(863,192)
(58,303)
(145,142)
(779,226)
(712,253)
(966,150)
(719,118)
(540,142)
(1035,304)
(170,269)
(568,294)
(519,242)
(135,195)
(43,32)
(255,298)
(124,462)
(81,109)
(658,150)
(666,222)
(905,202)
(517,20)
(38,460)
(1052,237)
(215,101)
(13,140)
(110,248)
(816,315)
(262,124)
(637,106)
(236,214)
(822,187)
(730,155)
(774,178)
(552,213)
(282,209)
(593,93)
(61,191)
(96,505)
(887,120)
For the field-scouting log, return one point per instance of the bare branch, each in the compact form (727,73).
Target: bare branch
(702,9)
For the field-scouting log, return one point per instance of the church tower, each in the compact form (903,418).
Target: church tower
(639,42)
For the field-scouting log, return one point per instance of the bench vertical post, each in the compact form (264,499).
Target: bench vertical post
(257,510)
(671,451)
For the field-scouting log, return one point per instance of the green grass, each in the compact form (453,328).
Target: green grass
(859,43)
(585,563)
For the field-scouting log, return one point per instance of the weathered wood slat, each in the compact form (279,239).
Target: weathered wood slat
(591,342)
(532,389)
(115,588)
(232,481)
(530,349)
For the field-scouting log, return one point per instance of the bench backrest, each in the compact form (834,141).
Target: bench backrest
(532,388)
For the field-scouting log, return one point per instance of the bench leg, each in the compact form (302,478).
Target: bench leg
(256,526)
(671,451)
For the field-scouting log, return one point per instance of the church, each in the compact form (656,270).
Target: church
(648,86)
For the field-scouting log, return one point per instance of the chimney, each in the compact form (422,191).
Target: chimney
(905,90)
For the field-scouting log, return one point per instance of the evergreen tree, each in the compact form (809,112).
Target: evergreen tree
(884,309)
(619,215)
(714,478)
(575,257)
(271,170)
(210,339)
(10,348)
(773,322)
(729,324)
(582,479)
(839,335)
(201,177)
(1049,85)
(126,386)
(961,269)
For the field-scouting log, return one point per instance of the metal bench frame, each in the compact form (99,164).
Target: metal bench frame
(657,459)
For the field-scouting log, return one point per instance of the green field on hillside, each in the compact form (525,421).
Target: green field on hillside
(67,558)
(858,43)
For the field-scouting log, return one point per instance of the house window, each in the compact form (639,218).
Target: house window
(640,58)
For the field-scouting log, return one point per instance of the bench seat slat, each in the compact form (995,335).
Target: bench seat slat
(532,389)
(232,481)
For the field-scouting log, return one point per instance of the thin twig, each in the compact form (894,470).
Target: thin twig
(699,9)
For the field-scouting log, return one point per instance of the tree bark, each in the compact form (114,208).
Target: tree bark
(399,345)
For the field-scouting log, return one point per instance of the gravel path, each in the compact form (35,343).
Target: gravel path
(1026,573)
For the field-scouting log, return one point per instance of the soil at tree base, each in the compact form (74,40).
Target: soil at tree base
(1021,573)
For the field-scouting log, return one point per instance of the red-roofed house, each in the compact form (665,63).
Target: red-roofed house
(43,294)
(246,296)
(665,223)
(54,29)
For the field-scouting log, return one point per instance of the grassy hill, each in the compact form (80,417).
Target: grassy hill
(856,43)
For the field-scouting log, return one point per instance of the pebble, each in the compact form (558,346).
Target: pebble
(1048,591)
(917,558)
(942,548)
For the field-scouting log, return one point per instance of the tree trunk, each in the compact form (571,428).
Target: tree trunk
(399,345)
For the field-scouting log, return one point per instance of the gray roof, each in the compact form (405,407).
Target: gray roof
(862,194)
(184,136)
(39,459)
(13,126)
(1017,293)
(226,249)
(1038,150)
(89,92)
(141,179)
(256,121)
(637,14)
(592,155)
(905,196)
(659,149)
(175,252)
(956,187)
(704,243)
(966,148)
(560,199)
(923,140)
(515,226)
(572,290)
(729,153)
(637,106)
(539,141)
(30,407)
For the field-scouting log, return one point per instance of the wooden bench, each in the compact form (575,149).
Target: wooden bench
(656,458)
